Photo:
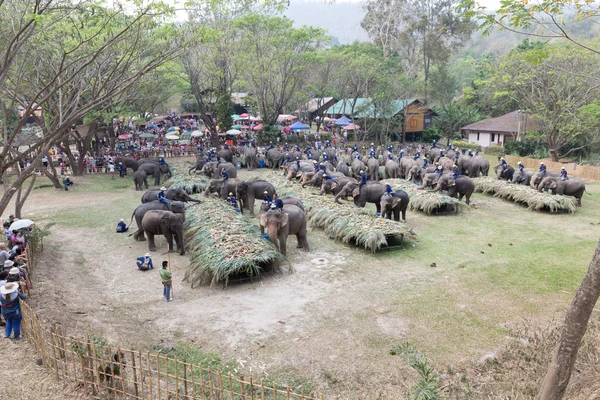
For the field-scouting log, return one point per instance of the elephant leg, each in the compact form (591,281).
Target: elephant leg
(169,237)
(180,244)
(145,183)
(396,215)
(378,206)
(151,244)
(251,205)
(282,243)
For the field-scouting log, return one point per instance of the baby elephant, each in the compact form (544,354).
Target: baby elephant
(140,178)
(282,223)
(394,203)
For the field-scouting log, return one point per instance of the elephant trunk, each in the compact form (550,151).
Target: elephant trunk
(272,230)
(338,195)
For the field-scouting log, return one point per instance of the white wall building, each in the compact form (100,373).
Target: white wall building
(497,131)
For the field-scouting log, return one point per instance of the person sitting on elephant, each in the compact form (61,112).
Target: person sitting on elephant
(309,155)
(322,167)
(224,175)
(464,151)
(450,146)
(67,182)
(325,157)
(326,177)
(503,163)
(162,198)
(372,153)
(355,148)
(278,202)
(372,146)
(286,147)
(287,159)
(267,197)
(233,201)
(271,146)
(543,168)
(122,226)
(225,146)
(390,157)
(471,153)
(218,159)
(388,189)
(390,149)
(455,173)
(521,166)
(357,156)
(442,153)
(425,163)
(433,144)
(298,163)
(298,148)
(563,174)
(363,178)
(417,155)
(457,154)
(144,263)
(439,170)
(400,155)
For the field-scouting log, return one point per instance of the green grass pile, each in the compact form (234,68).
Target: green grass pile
(342,222)
(423,200)
(525,194)
(190,183)
(224,243)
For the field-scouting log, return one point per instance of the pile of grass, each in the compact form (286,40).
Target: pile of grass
(342,222)
(223,243)
(423,200)
(190,183)
(525,194)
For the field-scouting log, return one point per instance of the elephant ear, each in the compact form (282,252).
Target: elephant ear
(284,219)
(356,191)
(262,219)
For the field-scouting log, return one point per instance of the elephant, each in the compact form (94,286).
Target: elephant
(293,170)
(504,174)
(274,158)
(477,166)
(176,207)
(282,223)
(446,163)
(537,177)
(330,152)
(405,166)
(199,165)
(394,203)
(570,187)
(329,186)
(215,169)
(251,158)
(247,192)
(160,222)
(464,163)
(418,173)
(433,154)
(357,166)
(343,168)
(522,177)
(223,189)
(373,169)
(226,154)
(370,192)
(173,194)
(430,180)
(140,178)
(450,154)
(463,186)
(128,162)
(391,169)
(155,169)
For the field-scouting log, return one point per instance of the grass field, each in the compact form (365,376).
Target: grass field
(332,323)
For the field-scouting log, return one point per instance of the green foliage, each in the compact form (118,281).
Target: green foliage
(454,116)
(37,234)
(224,110)
(524,148)
(465,145)
(432,133)
(427,388)
(495,150)
(269,133)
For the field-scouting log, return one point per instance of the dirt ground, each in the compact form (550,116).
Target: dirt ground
(335,318)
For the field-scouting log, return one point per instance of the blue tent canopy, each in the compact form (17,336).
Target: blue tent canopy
(343,121)
(299,126)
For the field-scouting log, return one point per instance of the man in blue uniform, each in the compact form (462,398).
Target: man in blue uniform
(287,159)
(390,148)
(309,155)
(298,163)
(267,197)
(162,198)
(144,263)
(400,155)
(122,226)
(327,144)
(325,157)
(417,155)
(503,163)
(442,153)
(372,153)
(357,156)
(521,166)
(162,161)
(390,156)
(298,148)
(225,176)
(470,153)
(363,178)
(121,168)
(433,144)
(225,146)
(457,154)
(439,170)
(271,146)
(563,174)
(388,189)
(277,202)
(286,147)
(67,182)
(355,148)
(326,177)
(372,147)
(455,173)
(425,163)
(231,199)
(543,169)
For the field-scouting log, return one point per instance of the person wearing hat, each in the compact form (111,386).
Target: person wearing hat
(11,308)
(442,153)
(67,182)
(14,275)
(455,173)
(271,146)
(8,264)
(543,168)
(233,201)
(165,278)
(417,155)
(162,198)
(121,169)
(144,263)
(288,158)
(439,170)
(563,174)
(470,153)
(224,175)
(388,189)
(122,226)
(503,163)
(433,144)
(277,202)
(521,166)
(267,197)
(400,155)
(457,153)
(363,178)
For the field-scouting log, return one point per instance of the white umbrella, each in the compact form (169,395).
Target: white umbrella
(197,134)
(233,132)
(172,137)
(20,224)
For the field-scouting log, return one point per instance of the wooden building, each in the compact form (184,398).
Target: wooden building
(497,131)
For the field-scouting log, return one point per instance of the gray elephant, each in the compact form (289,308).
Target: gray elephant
(433,154)
(479,166)
(248,192)
(274,158)
(406,165)
(165,223)
(251,158)
(222,189)
(504,174)
(282,223)
(342,167)
(140,178)
(293,171)
(329,186)
(570,187)
(430,180)
(128,162)
(357,166)
(462,186)
(215,169)
(522,177)
(537,177)
(199,165)
(173,194)
(156,170)
(226,154)
(176,207)
(370,192)
(373,169)
(394,203)
(392,169)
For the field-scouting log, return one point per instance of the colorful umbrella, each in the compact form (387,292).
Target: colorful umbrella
(244,115)
(236,127)
(20,224)
(147,135)
(258,127)
(233,132)
(197,134)
(186,134)
(351,127)
(124,136)
(172,136)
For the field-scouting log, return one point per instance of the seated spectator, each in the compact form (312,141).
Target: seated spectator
(144,263)
(121,226)
(67,182)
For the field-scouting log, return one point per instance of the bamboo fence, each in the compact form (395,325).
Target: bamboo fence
(106,372)
(574,170)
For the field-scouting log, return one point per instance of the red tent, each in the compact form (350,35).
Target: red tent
(351,127)
(258,127)
(244,115)
(124,136)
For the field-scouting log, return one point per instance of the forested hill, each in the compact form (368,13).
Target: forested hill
(341,19)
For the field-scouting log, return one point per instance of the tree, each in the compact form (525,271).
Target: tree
(276,59)
(78,58)
(555,86)
(454,116)
(423,32)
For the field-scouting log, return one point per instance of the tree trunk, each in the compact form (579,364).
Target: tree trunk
(576,321)
(554,155)
(20,201)
(72,162)
(52,176)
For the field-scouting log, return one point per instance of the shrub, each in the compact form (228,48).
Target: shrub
(495,150)
(431,133)
(526,147)
(465,145)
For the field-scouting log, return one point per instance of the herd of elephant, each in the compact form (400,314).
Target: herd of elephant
(143,169)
